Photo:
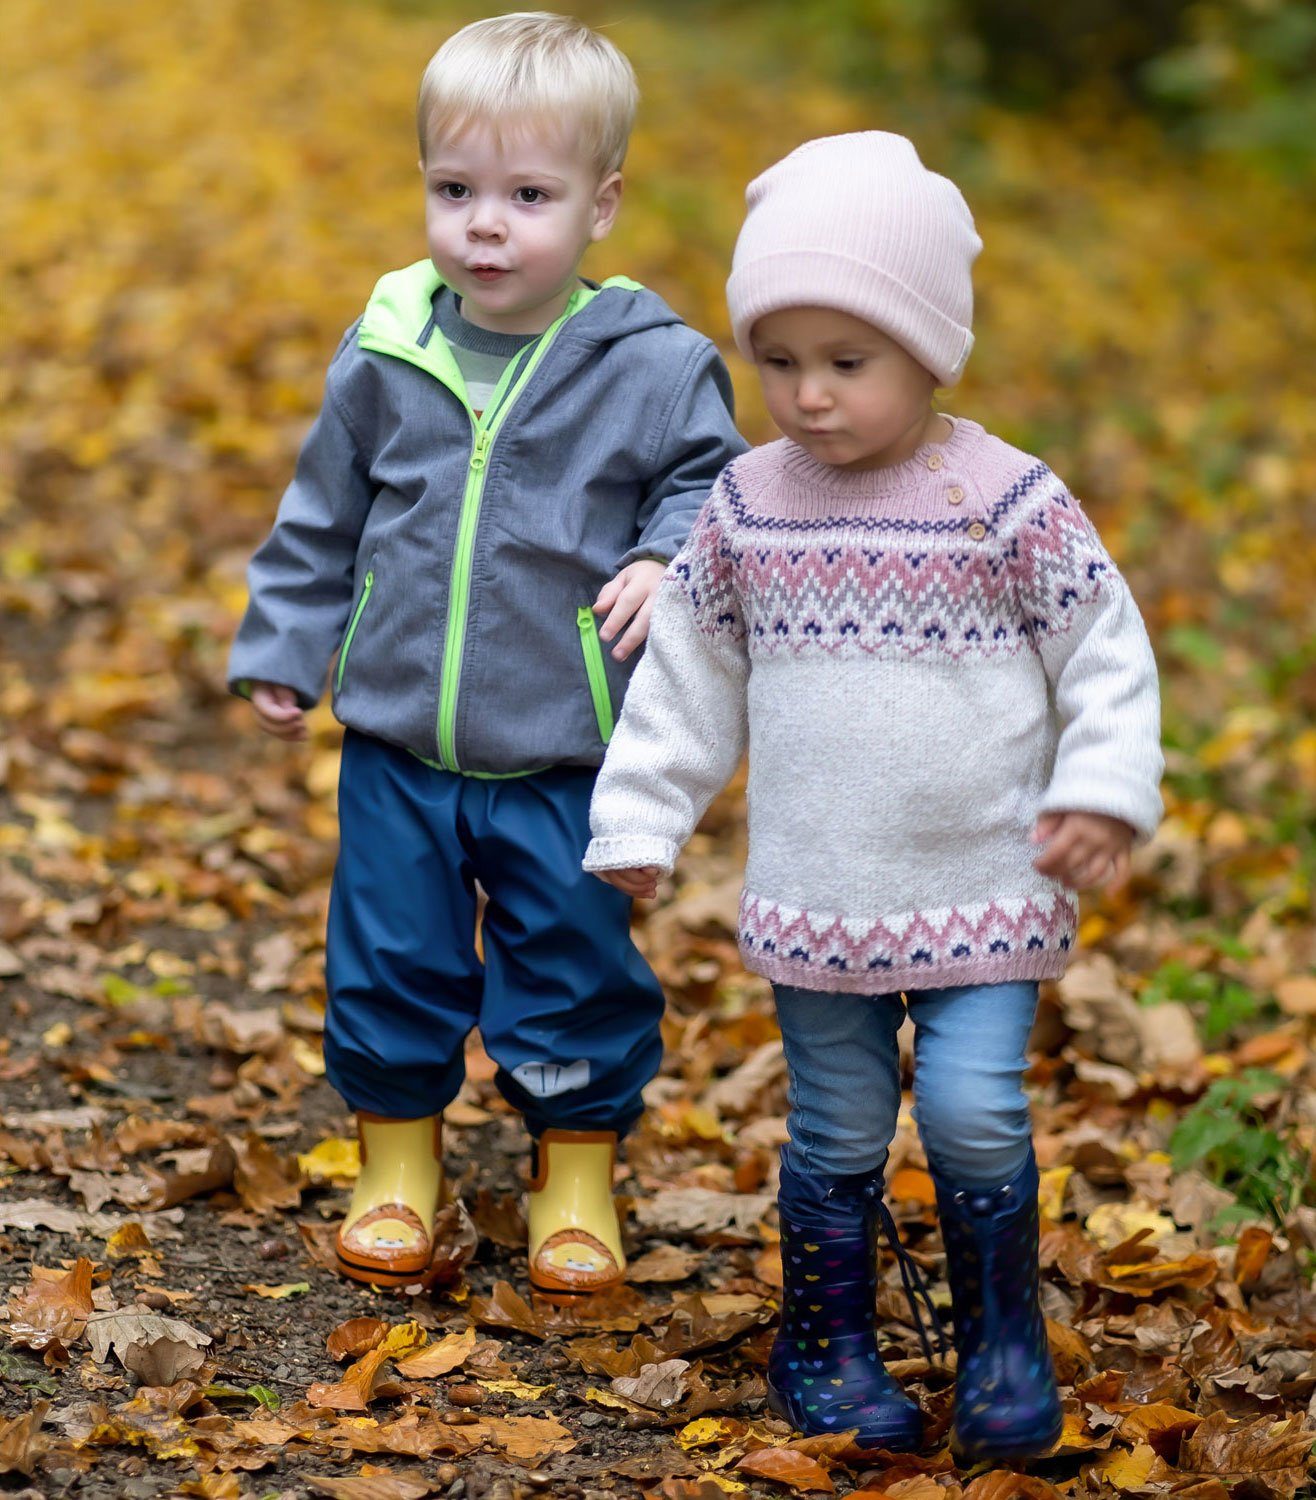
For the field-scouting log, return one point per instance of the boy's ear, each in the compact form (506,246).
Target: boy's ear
(607,200)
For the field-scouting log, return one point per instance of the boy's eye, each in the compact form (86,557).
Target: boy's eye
(454,192)
(530,195)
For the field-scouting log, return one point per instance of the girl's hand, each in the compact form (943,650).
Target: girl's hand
(277,711)
(1083,850)
(629,596)
(639,882)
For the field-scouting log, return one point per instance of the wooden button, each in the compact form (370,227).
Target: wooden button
(956,495)
(935,461)
(977,531)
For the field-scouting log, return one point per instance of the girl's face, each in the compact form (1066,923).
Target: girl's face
(841,388)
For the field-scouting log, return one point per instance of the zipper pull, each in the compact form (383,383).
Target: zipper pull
(584,618)
(481,450)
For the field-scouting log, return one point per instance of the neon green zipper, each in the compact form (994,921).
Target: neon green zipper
(592,648)
(351,629)
(437,360)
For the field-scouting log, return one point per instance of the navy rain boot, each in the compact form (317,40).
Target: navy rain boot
(824,1371)
(1006,1402)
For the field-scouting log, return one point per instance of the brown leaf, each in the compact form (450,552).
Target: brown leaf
(1254,1246)
(377,1486)
(265,1181)
(666,1263)
(355,1337)
(455,1241)
(51,1312)
(21,1443)
(355,1390)
(658,1385)
(504,1307)
(785,1466)
(448,1354)
(526,1439)
(156,1349)
(500,1219)
(1001,1485)
(1272,1454)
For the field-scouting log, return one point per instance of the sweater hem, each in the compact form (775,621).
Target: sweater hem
(801,974)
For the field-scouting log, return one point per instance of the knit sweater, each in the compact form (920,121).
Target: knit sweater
(920,660)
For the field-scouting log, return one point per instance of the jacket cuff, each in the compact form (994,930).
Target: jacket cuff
(1133,801)
(630,852)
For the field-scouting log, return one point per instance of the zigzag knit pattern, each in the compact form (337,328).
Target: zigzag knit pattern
(922,659)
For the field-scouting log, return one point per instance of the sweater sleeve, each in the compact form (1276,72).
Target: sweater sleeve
(299,582)
(1083,622)
(683,727)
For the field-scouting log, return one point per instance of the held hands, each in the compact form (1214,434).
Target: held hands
(642,881)
(629,596)
(277,711)
(1083,850)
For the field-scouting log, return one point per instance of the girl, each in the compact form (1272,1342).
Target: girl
(950,706)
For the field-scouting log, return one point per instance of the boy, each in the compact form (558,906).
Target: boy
(505,453)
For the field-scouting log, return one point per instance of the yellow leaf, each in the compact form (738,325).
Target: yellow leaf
(58,1035)
(333,1160)
(1051,1192)
(452,1350)
(515,1388)
(702,1431)
(1128,1471)
(278,1293)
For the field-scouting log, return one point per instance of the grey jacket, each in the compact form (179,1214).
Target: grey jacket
(451,560)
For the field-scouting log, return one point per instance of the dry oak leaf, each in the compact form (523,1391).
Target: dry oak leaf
(1005,1486)
(356,1389)
(1272,1454)
(156,1349)
(413,1436)
(1157,1423)
(660,1385)
(528,1439)
(451,1351)
(21,1442)
(265,1181)
(51,1311)
(666,1263)
(697,1211)
(785,1466)
(355,1337)
(377,1486)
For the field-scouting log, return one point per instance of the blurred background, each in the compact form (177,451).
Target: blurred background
(197,198)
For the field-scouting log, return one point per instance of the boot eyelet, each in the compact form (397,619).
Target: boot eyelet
(960,1199)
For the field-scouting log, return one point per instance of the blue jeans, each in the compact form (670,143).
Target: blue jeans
(970,1045)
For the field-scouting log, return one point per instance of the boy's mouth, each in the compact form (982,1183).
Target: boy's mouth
(487,273)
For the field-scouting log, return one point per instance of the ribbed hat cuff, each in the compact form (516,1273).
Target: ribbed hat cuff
(825,278)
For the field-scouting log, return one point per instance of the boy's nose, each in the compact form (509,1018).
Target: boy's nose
(485,225)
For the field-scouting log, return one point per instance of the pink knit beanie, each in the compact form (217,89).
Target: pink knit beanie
(858,223)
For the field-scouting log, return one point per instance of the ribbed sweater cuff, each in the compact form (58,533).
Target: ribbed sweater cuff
(630,852)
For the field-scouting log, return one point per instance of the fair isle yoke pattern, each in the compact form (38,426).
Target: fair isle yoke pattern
(922,660)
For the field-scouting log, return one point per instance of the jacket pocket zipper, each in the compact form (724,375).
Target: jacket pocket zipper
(351,629)
(592,650)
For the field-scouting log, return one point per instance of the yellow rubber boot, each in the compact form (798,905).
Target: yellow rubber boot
(575,1238)
(387,1238)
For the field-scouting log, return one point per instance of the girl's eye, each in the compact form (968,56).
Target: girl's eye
(776,361)
(454,192)
(530,195)
(848,366)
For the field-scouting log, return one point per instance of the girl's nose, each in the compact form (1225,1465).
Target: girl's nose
(811,395)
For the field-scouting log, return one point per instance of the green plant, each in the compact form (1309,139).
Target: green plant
(1226,1134)
(1221,1003)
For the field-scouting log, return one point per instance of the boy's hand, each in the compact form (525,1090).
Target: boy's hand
(639,882)
(277,711)
(1083,850)
(629,596)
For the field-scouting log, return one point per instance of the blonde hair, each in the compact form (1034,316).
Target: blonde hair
(531,64)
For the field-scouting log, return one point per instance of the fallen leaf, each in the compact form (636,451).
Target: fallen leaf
(696,1211)
(784,1466)
(526,1439)
(21,1442)
(128,1240)
(335,1159)
(355,1337)
(157,1350)
(1002,1485)
(278,1293)
(451,1351)
(378,1486)
(666,1263)
(661,1385)
(51,1313)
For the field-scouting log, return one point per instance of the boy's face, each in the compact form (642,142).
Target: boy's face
(508,223)
(841,388)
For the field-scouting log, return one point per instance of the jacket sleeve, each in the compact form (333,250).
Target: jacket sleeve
(696,438)
(300,580)
(684,724)
(1081,618)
